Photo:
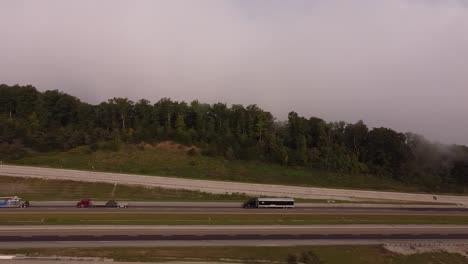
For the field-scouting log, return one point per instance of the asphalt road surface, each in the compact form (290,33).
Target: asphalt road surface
(178,236)
(234,208)
(221,210)
(228,237)
(234,233)
(235,229)
(224,243)
(221,187)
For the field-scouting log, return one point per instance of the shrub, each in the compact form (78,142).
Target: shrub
(12,151)
(310,258)
(192,152)
(292,259)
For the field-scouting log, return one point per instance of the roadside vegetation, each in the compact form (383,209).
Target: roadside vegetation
(171,159)
(87,217)
(35,189)
(244,143)
(261,254)
(62,190)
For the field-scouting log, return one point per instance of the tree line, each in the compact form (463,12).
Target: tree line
(53,120)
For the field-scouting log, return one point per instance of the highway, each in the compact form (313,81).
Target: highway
(200,230)
(203,210)
(157,237)
(235,208)
(212,235)
(222,187)
(231,233)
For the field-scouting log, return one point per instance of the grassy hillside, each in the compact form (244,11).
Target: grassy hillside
(50,190)
(169,159)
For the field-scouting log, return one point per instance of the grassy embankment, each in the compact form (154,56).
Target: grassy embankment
(83,217)
(172,160)
(35,189)
(60,190)
(325,254)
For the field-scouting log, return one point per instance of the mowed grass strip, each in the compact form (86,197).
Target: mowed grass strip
(220,219)
(34,189)
(360,254)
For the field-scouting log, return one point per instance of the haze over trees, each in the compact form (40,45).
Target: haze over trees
(54,121)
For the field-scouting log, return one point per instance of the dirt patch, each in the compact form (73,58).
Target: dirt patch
(420,248)
(173,146)
(145,146)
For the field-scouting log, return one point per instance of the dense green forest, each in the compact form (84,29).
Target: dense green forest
(32,121)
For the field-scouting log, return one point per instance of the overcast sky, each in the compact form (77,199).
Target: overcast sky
(395,63)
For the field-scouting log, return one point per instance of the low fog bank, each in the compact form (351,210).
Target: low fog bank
(399,64)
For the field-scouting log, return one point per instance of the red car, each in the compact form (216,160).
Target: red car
(86,203)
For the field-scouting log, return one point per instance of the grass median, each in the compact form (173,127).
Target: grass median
(319,254)
(219,219)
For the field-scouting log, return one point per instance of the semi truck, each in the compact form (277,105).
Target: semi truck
(88,203)
(13,202)
(269,203)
